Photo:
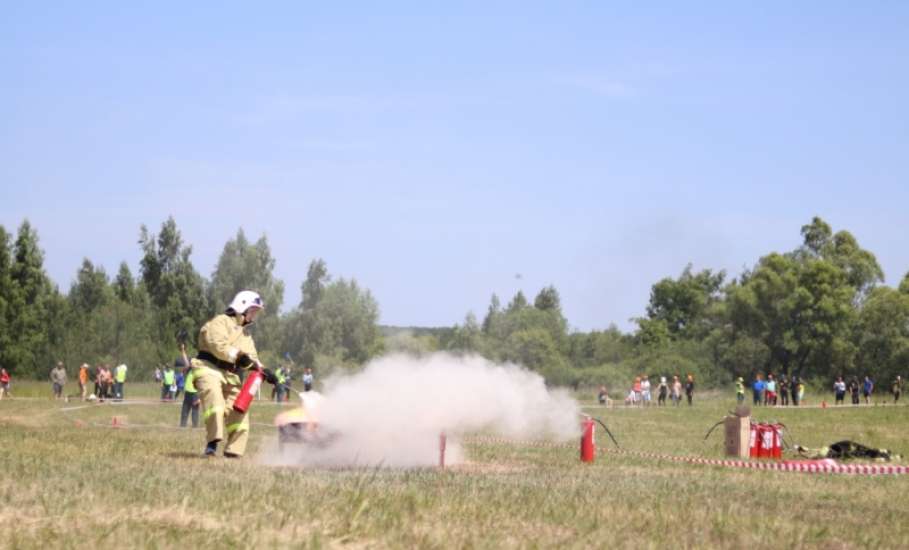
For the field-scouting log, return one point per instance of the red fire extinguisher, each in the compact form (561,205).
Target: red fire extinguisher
(754,441)
(777,450)
(588,448)
(767,437)
(248,391)
(766,441)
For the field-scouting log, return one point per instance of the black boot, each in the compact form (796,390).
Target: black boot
(211,448)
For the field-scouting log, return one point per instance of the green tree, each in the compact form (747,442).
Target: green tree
(493,316)
(517,303)
(467,337)
(817,237)
(316,279)
(683,304)
(800,310)
(904,284)
(6,295)
(31,293)
(175,288)
(125,284)
(336,321)
(90,290)
(548,299)
(883,334)
(860,266)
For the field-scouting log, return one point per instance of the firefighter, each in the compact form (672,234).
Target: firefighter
(225,348)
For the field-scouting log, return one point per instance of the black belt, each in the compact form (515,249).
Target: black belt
(206,356)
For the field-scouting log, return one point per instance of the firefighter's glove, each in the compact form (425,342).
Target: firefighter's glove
(269,376)
(243,360)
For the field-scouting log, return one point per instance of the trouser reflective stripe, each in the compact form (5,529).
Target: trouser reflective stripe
(236,426)
(212,410)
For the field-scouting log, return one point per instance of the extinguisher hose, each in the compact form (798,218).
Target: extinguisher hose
(286,387)
(607,431)
(710,431)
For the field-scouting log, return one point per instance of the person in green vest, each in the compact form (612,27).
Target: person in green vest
(740,390)
(119,380)
(168,382)
(280,387)
(190,395)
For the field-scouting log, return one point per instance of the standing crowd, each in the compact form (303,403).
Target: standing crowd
(642,391)
(772,392)
(109,383)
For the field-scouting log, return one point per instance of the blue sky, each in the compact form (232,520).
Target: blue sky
(433,151)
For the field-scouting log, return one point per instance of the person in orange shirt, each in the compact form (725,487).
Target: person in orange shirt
(83,380)
(636,391)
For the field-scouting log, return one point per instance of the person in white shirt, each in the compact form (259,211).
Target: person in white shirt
(839,390)
(645,391)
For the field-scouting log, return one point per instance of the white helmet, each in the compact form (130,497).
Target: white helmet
(244,300)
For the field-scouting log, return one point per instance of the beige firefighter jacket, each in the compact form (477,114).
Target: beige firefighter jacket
(225,337)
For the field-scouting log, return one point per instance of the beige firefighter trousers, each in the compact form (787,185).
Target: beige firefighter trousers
(217,390)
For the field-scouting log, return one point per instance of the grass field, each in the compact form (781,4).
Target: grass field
(69,480)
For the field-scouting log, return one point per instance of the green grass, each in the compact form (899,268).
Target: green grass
(68,480)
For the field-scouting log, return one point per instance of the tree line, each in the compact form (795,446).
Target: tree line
(138,319)
(818,311)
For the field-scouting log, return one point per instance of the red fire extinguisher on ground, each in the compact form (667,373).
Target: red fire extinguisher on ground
(249,390)
(776,451)
(754,441)
(766,440)
(588,447)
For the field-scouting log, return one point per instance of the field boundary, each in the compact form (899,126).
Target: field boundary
(786,466)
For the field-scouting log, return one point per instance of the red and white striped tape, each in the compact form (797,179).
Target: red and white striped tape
(794,466)
(790,466)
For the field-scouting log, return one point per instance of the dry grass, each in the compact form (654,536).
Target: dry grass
(66,481)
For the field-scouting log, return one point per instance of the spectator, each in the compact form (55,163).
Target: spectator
(664,390)
(106,378)
(190,395)
(4,383)
(181,380)
(796,390)
(645,391)
(757,390)
(897,388)
(676,390)
(801,390)
(689,388)
(307,379)
(636,391)
(58,379)
(839,390)
(168,380)
(158,375)
(784,391)
(97,379)
(770,391)
(119,380)
(602,396)
(83,381)
(854,388)
(740,390)
(288,382)
(868,389)
(280,387)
